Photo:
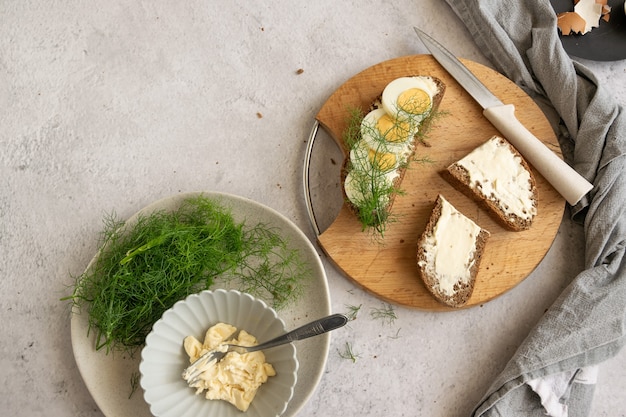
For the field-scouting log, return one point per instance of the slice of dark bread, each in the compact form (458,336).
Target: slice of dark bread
(513,202)
(376,103)
(449,252)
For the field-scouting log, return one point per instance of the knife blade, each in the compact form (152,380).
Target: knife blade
(565,180)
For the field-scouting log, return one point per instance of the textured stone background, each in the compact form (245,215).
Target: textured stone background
(108,106)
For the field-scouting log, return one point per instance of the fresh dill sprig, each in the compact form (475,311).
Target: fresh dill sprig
(144,268)
(427,125)
(134,383)
(270,268)
(370,172)
(353,311)
(348,353)
(386,314)
(352,133)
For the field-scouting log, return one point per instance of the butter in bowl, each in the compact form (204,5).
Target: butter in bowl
(260,383)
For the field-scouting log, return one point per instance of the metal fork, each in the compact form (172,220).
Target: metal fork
(334,321)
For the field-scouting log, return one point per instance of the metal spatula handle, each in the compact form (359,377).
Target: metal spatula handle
(311,329)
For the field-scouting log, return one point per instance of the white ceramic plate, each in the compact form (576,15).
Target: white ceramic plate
(108,377)
(163,357)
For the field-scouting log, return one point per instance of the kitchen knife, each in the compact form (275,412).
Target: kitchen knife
(569,183)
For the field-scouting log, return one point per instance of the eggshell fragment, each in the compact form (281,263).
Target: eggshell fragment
(606,10)
(570,22)
(585,17)
(591,12)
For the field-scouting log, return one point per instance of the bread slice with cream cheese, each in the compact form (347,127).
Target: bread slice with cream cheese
(496,175)
(449,252)
(374,169)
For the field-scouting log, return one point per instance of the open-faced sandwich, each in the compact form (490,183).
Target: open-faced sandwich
(384,144)
(449,252)
(496,175)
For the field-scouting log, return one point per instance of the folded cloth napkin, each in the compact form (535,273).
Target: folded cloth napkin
(553,369)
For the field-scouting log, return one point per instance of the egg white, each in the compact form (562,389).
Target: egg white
(396,87)
(360,159)
(359,186)
(364,177)
(375,139)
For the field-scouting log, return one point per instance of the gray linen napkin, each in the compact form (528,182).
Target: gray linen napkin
(587,323)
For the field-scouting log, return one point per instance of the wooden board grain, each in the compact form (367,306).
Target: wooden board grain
(388,268)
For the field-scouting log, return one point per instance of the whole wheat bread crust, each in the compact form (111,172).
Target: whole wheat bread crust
(402,171)
(459,178)
(462,292)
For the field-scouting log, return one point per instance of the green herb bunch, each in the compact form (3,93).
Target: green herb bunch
(144,268)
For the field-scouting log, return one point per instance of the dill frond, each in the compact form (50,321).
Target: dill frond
(353,311)
(386,314)
(348,353)
(371,170)
(134,383)
(144,268)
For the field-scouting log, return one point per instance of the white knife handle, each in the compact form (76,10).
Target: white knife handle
(569,183)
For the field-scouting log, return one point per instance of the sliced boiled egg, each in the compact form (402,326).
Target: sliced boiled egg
(387,139)
(365,158)
(385,161)
(354,187)
(380,131)
(409,98)
(371,172)
(361,186)
(380,123)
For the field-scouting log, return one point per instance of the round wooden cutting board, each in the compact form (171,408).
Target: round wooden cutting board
(387,267)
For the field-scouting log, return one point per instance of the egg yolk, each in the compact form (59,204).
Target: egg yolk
(384,161)
(393,130)
(414,101)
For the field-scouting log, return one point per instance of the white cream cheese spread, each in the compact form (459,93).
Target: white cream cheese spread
(449,250)
(238,376)
(499,175)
